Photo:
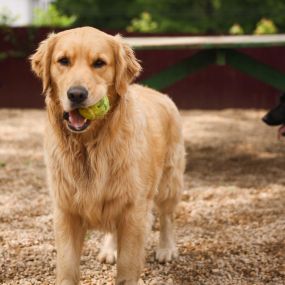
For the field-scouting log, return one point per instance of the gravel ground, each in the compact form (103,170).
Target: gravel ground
(230,223)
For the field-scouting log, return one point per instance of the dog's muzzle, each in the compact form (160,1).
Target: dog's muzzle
(75,122)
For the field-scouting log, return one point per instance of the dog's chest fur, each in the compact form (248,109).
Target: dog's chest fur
(98,180)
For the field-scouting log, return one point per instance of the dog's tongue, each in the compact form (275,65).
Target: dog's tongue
(75,119)
(281,132)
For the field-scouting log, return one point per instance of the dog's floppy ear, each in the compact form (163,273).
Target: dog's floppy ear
(41,60)
(127,66)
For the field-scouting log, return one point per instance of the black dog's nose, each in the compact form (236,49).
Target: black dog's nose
(77,94)
(265,119)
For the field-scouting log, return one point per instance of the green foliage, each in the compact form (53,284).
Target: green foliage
(104,14)
(265,26)
(52,18)
(236,29)
(189,16)
(182,16)
(6,17)
(143,24)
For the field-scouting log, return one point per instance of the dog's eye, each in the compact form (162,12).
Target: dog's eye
(64,61)
(98,63)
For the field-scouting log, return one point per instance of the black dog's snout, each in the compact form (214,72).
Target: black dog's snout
(271,120)
(265,119)
(77,94)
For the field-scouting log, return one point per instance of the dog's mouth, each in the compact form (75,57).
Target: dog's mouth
(281,131)
(75,122)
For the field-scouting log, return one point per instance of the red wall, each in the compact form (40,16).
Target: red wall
(215,87)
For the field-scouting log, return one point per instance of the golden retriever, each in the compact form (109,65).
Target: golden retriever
(105,174)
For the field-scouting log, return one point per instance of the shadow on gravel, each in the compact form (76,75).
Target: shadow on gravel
(228,166)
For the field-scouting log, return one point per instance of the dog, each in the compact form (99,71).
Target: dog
(276,116)
(106,174)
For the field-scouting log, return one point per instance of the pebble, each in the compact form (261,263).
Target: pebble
(230,224)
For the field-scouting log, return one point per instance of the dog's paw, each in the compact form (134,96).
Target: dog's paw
(107,256)
(163,255)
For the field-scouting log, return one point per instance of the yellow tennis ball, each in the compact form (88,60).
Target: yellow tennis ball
(96,111)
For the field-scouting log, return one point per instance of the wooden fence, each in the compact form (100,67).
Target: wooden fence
(194,75)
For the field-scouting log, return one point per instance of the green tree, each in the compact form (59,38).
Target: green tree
(52,18)
(265,26)
(191,16)
(143,24)
(248,12)
(106,14)
(236,29)
(213,16)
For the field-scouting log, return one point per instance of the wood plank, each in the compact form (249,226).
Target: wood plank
(258,70)
(206,42)
(180,70)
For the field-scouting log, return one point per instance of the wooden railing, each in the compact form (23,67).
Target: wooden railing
(220,50)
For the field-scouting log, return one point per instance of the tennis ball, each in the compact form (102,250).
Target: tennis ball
(96,111)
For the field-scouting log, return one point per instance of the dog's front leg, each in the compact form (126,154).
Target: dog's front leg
(69,236)
(131,241)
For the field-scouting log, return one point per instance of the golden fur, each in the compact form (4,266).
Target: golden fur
(108,176)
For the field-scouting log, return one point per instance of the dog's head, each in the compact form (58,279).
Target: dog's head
(80,66)
(276,116)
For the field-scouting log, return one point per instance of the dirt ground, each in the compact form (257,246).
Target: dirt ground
(230,223)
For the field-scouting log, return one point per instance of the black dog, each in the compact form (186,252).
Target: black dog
(276,116)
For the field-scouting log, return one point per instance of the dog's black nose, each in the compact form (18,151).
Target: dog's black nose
(265,119)
(77,94)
